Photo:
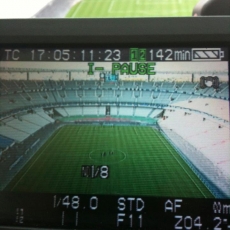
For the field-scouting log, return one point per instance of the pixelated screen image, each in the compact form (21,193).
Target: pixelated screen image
(94,128)
(115,121)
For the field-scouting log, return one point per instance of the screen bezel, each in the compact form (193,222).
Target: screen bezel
(207,31)
(143,32)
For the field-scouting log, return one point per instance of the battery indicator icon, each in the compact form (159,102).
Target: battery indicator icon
(207,54)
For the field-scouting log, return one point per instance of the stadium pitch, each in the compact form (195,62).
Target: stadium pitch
(113,160)
(131,8)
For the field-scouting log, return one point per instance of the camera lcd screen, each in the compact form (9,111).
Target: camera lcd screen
(133,137)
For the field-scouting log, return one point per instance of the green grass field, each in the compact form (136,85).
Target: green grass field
(142,163)
(131,8)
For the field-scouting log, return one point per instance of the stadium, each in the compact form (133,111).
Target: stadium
(63,131)
(131,8)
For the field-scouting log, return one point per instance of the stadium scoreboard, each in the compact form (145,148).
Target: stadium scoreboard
(157,58)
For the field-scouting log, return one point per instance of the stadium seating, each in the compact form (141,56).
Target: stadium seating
(167,85)
(145,85)
(61,111)
(5,142)
(126,96)
(34,119)
(22,94)
(27,93)
(71,111)
(142,112)
(223,91)
(49,97)
(126,85)
(215,107)
(69,97)
(155,113)
(25,105)
(114,111)
(31,85)
(126,111)
(90,96)
(24,126)
(109,85)
(13,133)
(90,84)
(145,96)
(101,111)
(90,111)
(215,133)
(108,96)
(45,116)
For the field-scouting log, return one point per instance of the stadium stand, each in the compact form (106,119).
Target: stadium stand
(11,85)
(25,117)
(90,111)
(18,155)
(215,107)
(146,85)
(90,96)
(20,95)
(126,96)
(167,85)
(70,84)
(90,84)
(114,111)
(61,111)
(49,97)
(108,96)
(101,111)
(142,112)
(71,96)
(13,133)
(27,123)
(32,85)
(222,92)
(182,97)
(215,134)
(136,94)
(126,111)
(23,126)
(145,96)
(35,119)
(56,96)
(109,85)
(71,111)
(155,113)
(45,116)
(5,142)
(126,85)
